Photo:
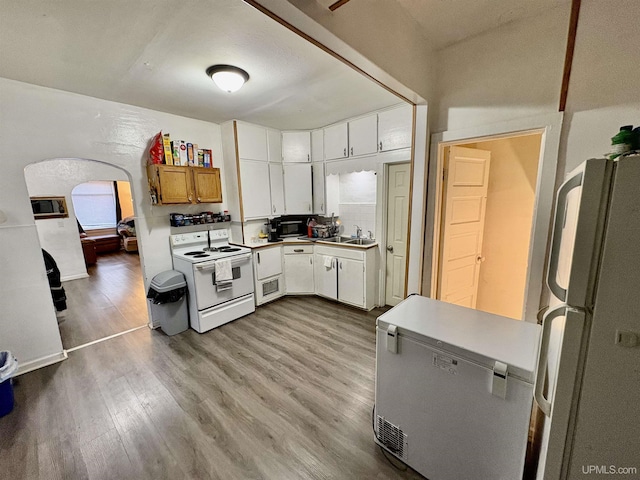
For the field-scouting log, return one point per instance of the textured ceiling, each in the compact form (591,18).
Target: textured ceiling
(154,54)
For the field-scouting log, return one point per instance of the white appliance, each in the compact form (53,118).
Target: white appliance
(267,263)
(589,354)
(219,277)
(454,389)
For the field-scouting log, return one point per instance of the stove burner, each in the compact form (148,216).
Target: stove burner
(196,253)
(200,255)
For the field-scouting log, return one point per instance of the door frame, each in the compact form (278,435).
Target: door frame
(550,127)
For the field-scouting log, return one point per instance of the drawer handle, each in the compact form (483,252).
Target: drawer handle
(298,250)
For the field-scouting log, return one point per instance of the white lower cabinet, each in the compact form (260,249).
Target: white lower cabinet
(298,270)
(351,281)
(269,280)
(346,274)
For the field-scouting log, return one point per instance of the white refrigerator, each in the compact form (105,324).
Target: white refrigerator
(588,374)
(454,389)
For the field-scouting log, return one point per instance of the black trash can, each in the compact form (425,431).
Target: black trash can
(8,368)
(168,296)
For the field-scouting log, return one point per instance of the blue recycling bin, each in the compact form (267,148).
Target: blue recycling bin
(8,367)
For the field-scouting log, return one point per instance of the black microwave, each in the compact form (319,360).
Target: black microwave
(291,227)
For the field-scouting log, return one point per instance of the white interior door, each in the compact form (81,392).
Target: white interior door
(464,204)
(398,182)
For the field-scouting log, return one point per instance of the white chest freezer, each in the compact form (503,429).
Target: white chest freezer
(454,389)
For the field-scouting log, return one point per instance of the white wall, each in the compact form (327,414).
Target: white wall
(513,71)
(604,92)
(60,236)
(40,123)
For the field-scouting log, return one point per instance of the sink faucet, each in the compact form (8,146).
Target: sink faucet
(358,231)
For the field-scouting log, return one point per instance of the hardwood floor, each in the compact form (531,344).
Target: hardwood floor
(111,300)
(284,393)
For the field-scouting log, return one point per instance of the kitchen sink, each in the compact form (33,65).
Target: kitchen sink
(336,239)
(360,241)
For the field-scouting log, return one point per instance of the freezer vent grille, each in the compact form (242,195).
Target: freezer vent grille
(270,287)
(392,437)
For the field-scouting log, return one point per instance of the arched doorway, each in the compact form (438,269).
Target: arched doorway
(104,298)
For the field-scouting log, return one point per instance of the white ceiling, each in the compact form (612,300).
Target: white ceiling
(154,53)
(445,22)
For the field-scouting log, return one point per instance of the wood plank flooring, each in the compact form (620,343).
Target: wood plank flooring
(284,393)
(111,300)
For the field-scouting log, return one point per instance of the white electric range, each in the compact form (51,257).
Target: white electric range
(199,255)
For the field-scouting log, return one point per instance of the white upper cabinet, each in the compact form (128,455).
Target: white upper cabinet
(363,135)
(317,145)
(276,183)
(318,188)
(336,142)
(297,188)
(252,142)
(296,147)
(395,127)
(275,145)
(256,196)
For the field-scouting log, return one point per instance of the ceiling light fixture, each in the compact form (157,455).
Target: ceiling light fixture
(227,77)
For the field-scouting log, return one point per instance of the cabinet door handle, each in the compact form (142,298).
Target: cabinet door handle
(321,207)
(274,209)
(340,263)
(309,207)
(308,157)
(344,154)
(351,150)
(380,146)
(258,257)
(310,259)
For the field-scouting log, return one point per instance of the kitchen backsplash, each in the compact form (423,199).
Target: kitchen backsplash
(361,214)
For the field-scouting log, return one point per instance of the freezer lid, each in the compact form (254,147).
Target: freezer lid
(576,240)
(477,335)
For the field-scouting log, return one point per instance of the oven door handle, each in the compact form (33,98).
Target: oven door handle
(210,265)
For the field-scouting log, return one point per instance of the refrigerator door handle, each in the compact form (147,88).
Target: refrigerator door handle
(558,224)
(544,403)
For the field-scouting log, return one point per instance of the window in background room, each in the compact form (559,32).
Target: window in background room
(95,204)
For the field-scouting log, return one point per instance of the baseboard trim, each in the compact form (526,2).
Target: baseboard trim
(74,277)
(41,362)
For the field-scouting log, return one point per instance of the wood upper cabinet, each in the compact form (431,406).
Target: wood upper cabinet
(207,185)
(296,147)
(395,127)
(363,135)
(174,185)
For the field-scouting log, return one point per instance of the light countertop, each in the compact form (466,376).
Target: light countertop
(299,241)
